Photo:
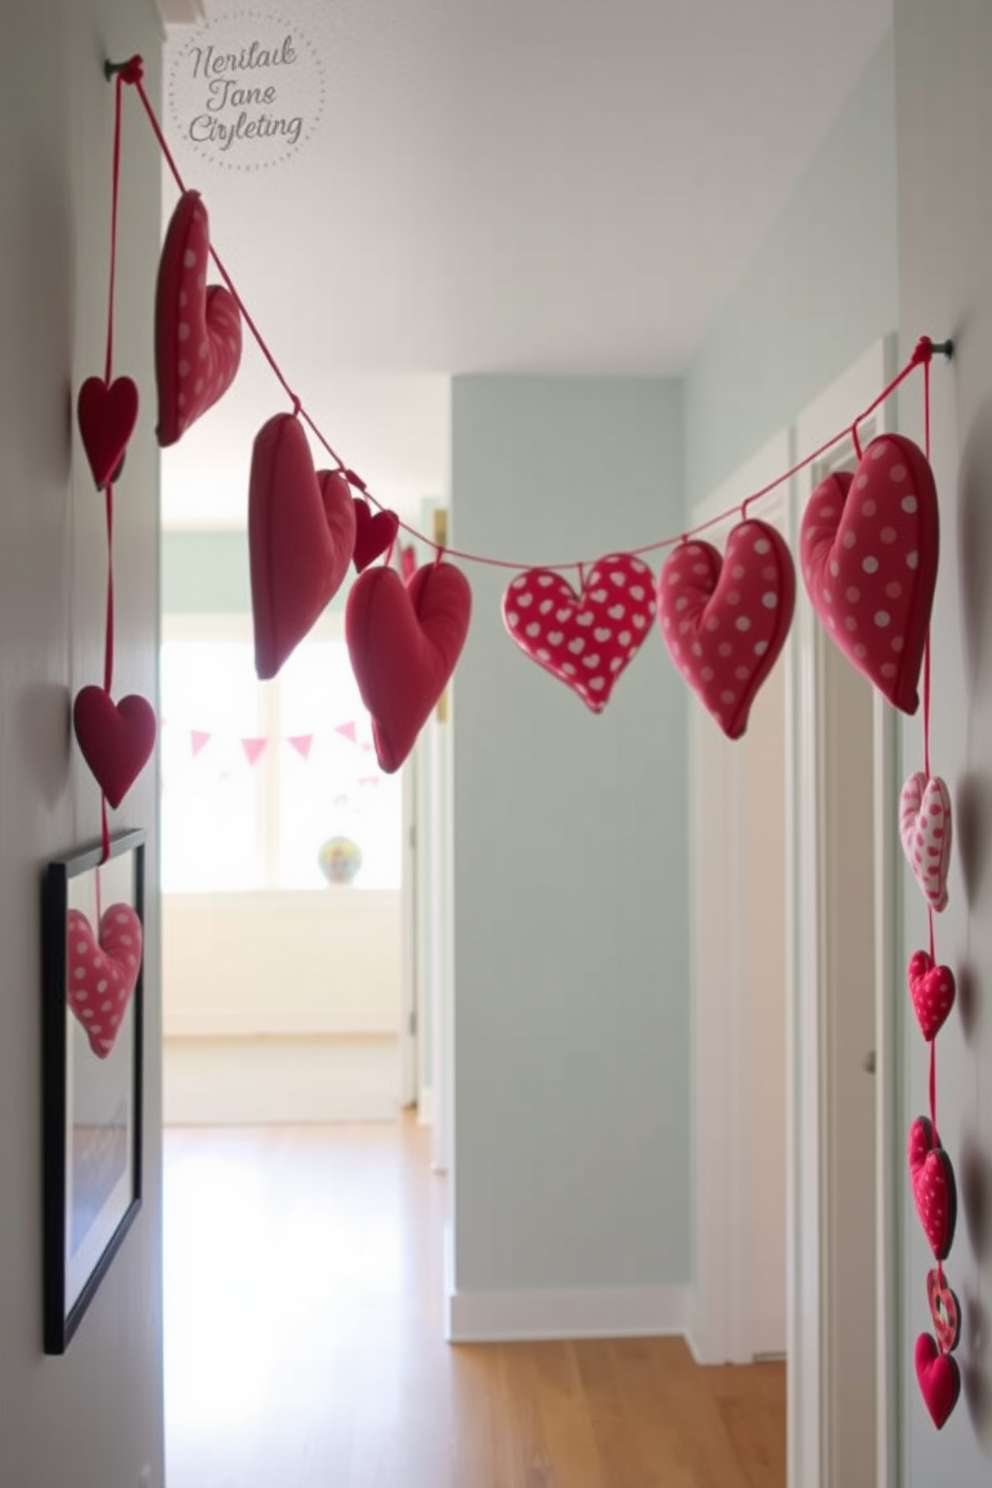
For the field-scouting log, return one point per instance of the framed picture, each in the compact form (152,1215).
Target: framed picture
(92,962)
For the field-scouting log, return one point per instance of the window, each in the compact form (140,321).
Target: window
(257,775)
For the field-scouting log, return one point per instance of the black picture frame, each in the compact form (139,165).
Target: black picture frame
(92,1093)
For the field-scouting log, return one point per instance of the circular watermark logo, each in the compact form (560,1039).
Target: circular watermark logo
(246,89)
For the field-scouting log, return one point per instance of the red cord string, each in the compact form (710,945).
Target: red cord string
(921,354)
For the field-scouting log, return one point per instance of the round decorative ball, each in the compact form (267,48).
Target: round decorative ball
(339,859)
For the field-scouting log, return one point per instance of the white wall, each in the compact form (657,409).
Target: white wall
(944,125)
(571,1016)
(94,1416)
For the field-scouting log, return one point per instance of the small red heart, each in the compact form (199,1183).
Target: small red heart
(586,640)
(932,991)
(725,620)
(197,328)
(939,1379)
(408,562)
(116,739)
(868,547)
(945,1309)
(404,641)
(102,976)
(107,416)
(373,534)
(301,534)
(934,1189)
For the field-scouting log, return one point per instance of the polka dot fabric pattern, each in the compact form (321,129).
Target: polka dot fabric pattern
(931,990)
(586,640)
(725,620)
(926,832)
(197,327)
(868,548)
(934,1190)
(102,974)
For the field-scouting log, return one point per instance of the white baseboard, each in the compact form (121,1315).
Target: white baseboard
(602,1312)
(425,1107)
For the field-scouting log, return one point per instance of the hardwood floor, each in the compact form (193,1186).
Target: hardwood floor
(303,1275)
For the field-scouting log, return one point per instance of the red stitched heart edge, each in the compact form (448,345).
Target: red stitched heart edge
(942,1251)
(945,1310)
(939,1379)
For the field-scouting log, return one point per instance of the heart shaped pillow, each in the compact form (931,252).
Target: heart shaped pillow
(197,328)
(587,639)
(939,1379)
(925,830)
(945,1310)
(301,533)
(404,641)
(373,534)
(931,989)
(934,1191)
(116,739)
(101,976)
(726,620)
(868,548)
(107,416)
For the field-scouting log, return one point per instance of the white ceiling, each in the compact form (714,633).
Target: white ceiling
(565,186)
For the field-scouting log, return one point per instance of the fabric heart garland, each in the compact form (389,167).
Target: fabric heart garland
(588,639)
(925,830)
(102,974)
(934,1190)
(932,991)
(404,641)
(197,327)
(106,415)
(374,535)
(939,1379)
(301,535)
(116,739)
(725,620)
(869,545)
(945,1311)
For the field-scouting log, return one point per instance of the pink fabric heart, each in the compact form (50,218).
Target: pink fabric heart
(101,976)
(373,534)
(934,1190)
(197,327)
(931,989)
(116,739)
(106,416)
(945,1311)
(939,1379)
(586,640)
(725,620)
(868,548)
(925,829)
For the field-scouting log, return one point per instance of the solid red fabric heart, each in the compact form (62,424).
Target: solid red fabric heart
(197,327)
(939,1379)
(404,642)
(116,739)
(931,989)
(107,416)
(585,640)
(945,1309)
(301,534)
(373,534)
(725,621)
(102,975)
(869,546)
(934,1190)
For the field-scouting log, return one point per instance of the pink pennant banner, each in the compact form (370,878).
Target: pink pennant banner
(347,731)
(302,743)
(253,749)
(198,740)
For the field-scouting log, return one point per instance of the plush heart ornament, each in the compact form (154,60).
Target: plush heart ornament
(102,975)
(197,328)
(868,548)
(726,620)
(945,1309)
(373,534)
(925,829)
(404,641)
(931,989)
(939,1379)
(934,1191)
(585,639)
(116,739)
(301,533)
(107,416)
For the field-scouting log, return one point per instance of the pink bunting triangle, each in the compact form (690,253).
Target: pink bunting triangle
(253,748)
(198,740)
(347,731)
(302,743)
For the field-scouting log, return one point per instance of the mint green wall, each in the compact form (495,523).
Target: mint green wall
(571,1023)
(821,289)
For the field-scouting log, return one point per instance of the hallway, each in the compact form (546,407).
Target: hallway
(303,1307)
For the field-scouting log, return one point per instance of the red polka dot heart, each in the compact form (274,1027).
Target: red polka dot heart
(197,327)
(102,975)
